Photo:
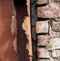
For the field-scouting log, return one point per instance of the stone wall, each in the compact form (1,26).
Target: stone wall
(48,30)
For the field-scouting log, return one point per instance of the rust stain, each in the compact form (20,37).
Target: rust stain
(7,32)
(4,48)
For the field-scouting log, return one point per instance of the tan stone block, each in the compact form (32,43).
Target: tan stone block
(53,33)
(42,27)
(42,53)
(42,1)
(54,43)
(56,26)
(56,53)
(42,40)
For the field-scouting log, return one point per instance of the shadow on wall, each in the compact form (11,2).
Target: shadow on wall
(21,12)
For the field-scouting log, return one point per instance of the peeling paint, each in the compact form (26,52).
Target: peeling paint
(27,27)
(13,25)
(15,45)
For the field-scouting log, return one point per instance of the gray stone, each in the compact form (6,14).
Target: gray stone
(56,53)
(56,59)
(54,43)
(33,13)
(56,26)
(42,27)
(53,33)
(32,1)
(51,59)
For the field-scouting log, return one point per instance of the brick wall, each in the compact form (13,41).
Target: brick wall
(48,30)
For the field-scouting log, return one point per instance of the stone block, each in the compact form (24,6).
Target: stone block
(42,53)
(54,43)
(56,26)
(42,40)
(56,53)
(53,33)
(42,1)
(48,12)
(53,59)
(43,60)
(42,27)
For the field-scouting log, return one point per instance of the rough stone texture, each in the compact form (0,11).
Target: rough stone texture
(54,43)
(54,5)
(48,12)
(53,33)
(42,53)
(56,26)
(56,59)
(49,45)
(57,0)
(42,40)
(42,27)
(42,1)
(53,59)
(43,60)
(56,53)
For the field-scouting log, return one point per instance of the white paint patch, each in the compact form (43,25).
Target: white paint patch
(15,44)
(13,25)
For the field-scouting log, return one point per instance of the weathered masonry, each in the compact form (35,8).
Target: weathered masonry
(28,26)
(48,30)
